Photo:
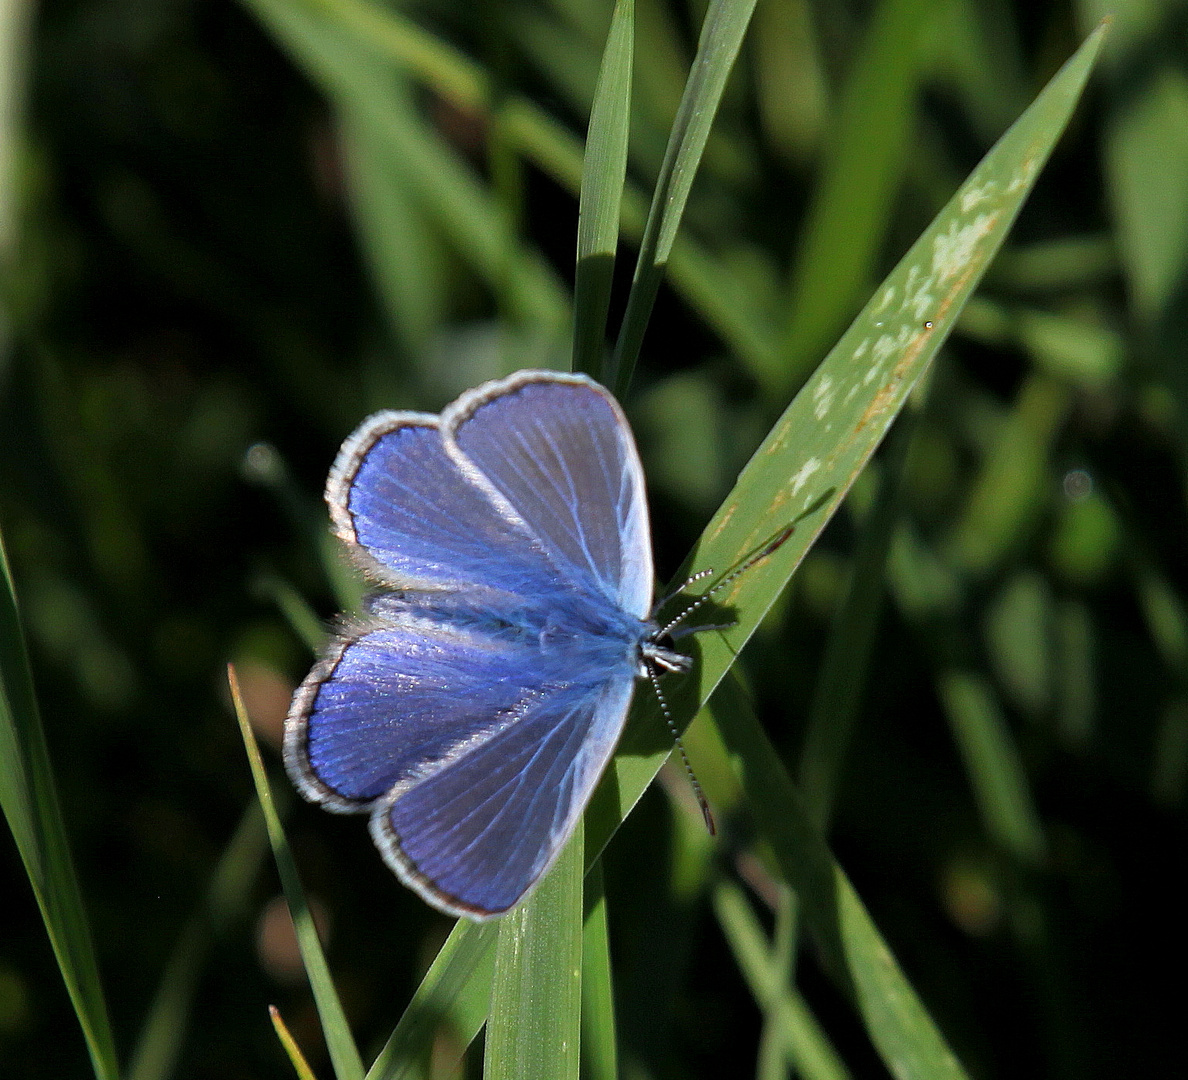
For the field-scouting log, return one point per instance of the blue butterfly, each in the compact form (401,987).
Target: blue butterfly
(473,707)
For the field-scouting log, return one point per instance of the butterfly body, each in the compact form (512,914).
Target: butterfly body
(473,706)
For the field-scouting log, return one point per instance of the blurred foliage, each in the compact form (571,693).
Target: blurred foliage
(211,271)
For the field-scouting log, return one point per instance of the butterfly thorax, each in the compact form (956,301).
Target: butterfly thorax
(560,629)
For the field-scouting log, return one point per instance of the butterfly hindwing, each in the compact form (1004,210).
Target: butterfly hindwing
(397,694)
(475,836)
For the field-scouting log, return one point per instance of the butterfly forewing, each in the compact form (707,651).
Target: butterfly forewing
(417,521)
(559,451)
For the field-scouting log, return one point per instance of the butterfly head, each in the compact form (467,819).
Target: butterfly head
(657,651)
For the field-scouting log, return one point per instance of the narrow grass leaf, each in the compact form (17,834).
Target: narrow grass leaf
(599,1042)
(1147,163)
(402,250)
(30,801)
(842,673)
(604,171)
(295,609)
(791,89)
(721,37)
(225,902)
(1011,489)
(868,142)
(851,948)
(534,1030)
(453,999)
(360,84)
(992,762)
(772,1059)
(804,1042)
(304,1072)
(339,1042)
(725,301)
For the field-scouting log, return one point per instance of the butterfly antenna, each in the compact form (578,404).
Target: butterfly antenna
(692,580)
(706,813)
(759,555)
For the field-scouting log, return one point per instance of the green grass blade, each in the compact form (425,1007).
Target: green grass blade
(296,1057)
(599,1042)
(992,762)
(790,86)
(851,947)
(455,994)
(726,300)
(805,1043)
(534,1030)
(339,1042)
(812,455)
(359,82)
(723,300)
(30,801)
(721,37)
(868,142)
(225,901)
(1146,159)
(404,254)
(842,678)
(773,1056)
(604,171)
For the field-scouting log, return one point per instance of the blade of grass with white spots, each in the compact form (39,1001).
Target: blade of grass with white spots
(810,458)
(30,801)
